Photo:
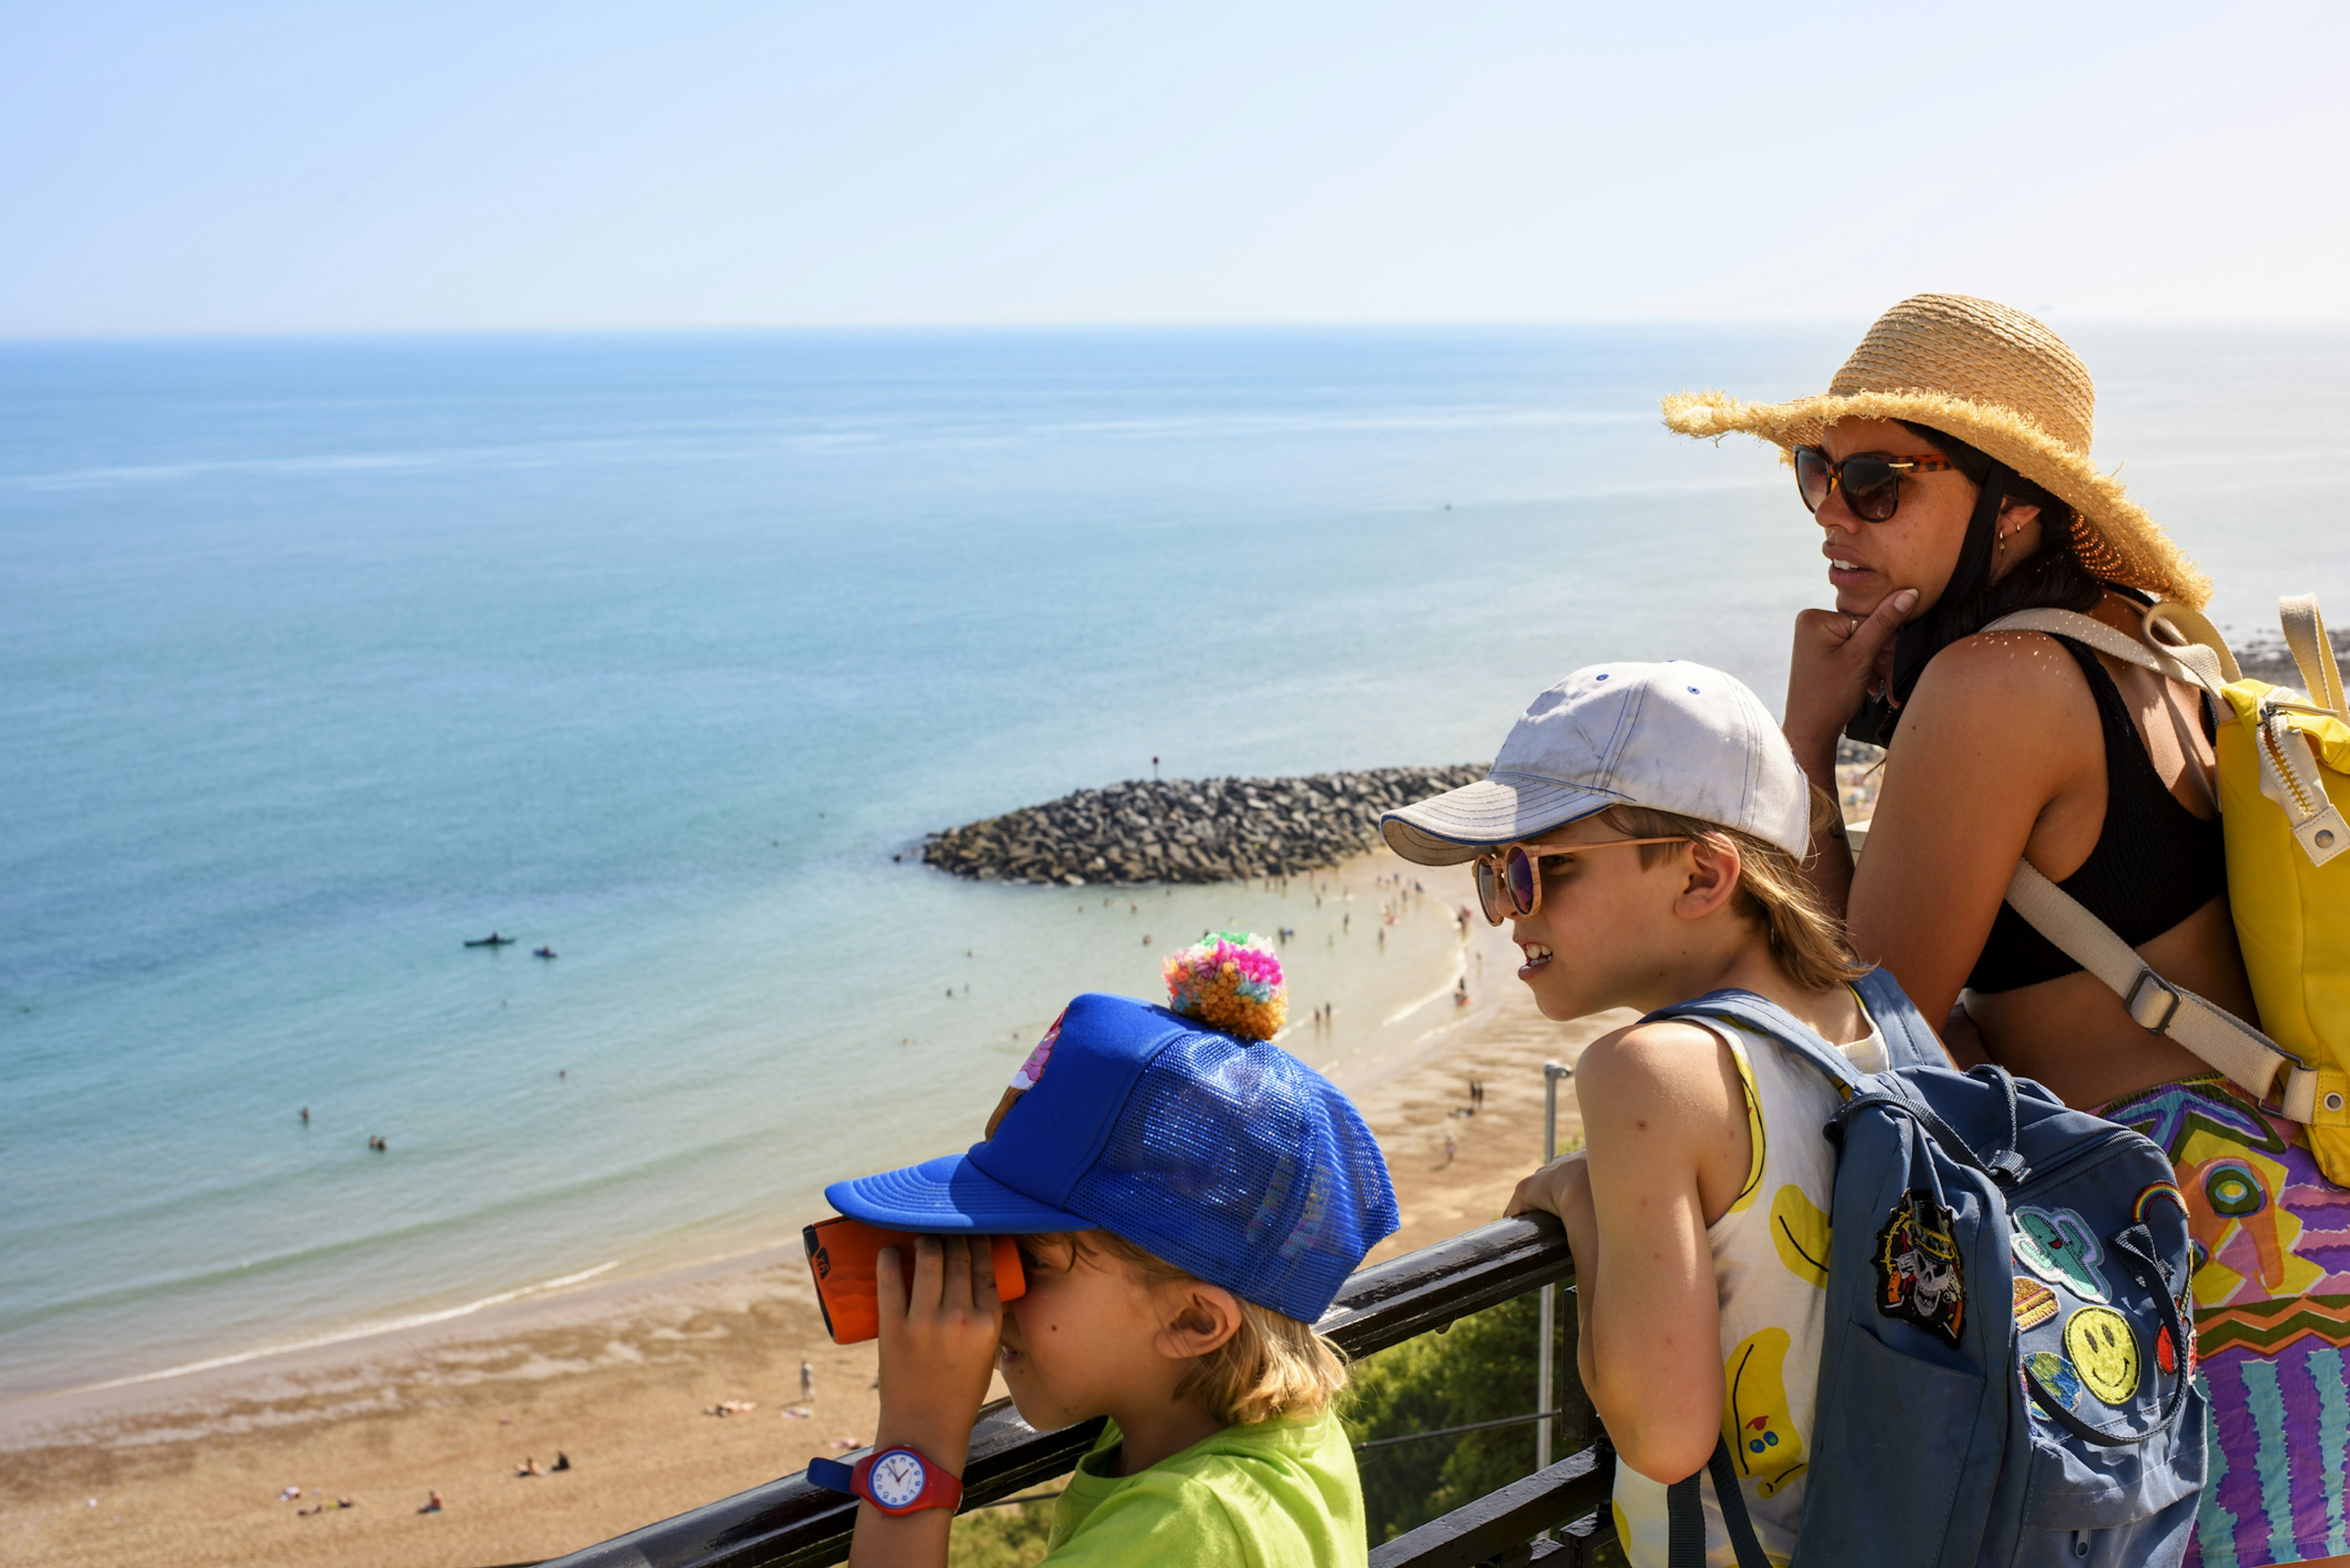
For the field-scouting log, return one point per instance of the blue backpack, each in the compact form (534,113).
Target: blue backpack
(2009,1370)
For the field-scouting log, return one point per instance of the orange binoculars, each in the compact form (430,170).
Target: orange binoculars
(843,1255)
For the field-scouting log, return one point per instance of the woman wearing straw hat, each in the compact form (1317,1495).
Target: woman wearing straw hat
(1948,467)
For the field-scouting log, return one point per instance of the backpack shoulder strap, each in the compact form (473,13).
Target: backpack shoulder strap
(2249,1058)
(1909,1040)
(1685,1516)
(2171,624)
(2190,661)
(1766,1017)
(2305,634)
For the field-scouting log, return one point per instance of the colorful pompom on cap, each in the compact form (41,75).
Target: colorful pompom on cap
(1228,980)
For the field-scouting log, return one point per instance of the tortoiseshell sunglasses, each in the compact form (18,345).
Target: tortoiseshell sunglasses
(1509,879)
(1871,480)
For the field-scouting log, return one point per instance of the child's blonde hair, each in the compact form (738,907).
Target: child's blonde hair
(1271,1365)
(1807,941)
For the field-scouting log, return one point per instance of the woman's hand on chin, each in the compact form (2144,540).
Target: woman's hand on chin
(1838,659)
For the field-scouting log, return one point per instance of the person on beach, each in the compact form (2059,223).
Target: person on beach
(1948,468)
(1187,1200)
(1644,826)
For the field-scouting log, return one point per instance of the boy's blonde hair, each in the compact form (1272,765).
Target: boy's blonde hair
(1807,941)
(1271,1365)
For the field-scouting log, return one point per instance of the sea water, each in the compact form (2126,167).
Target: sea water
(318,658)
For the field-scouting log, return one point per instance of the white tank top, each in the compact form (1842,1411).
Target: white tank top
(1771,1268)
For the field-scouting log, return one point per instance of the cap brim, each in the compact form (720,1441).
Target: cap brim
(947,1194)
(1502,809)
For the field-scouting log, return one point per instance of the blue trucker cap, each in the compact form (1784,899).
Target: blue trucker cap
(1230,1158)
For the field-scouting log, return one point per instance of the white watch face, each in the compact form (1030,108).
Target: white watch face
(896,1479)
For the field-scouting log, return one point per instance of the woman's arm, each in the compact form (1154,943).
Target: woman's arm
(1990,763)
(1835,662)
(1664,1118)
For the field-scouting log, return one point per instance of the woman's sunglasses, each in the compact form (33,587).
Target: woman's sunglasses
(1871,482)
(1509,880)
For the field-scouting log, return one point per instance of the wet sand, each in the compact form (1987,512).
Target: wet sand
(622,1379)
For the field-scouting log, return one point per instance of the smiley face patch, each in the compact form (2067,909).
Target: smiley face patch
(2103,1352)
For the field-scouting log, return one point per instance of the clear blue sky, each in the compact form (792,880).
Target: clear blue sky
(224,167)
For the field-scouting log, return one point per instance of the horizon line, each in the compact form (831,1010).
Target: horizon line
(134,337)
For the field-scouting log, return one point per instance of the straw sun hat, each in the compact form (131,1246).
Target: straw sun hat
(1997,379)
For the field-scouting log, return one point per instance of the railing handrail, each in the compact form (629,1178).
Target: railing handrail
(788,1523)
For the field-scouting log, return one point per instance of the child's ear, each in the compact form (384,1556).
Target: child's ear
(1196,1317)
(1712,878)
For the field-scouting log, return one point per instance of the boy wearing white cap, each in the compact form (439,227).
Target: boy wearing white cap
(1643,827)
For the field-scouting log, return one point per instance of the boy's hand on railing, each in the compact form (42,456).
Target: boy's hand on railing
(1554,1189)
(940,1330)
(1562,1188)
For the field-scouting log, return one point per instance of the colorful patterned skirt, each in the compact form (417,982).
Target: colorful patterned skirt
(2272,1292)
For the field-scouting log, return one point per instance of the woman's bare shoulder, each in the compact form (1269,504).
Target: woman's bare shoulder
(2019,686)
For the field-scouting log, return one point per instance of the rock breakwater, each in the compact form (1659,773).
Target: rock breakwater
(1188,830)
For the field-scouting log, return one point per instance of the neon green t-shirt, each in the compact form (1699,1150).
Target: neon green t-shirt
(1280,1494)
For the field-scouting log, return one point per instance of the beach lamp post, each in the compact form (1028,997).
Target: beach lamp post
(1546,1320)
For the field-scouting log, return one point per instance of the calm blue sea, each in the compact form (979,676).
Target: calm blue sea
(317,658)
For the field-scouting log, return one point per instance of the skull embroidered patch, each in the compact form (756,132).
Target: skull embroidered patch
(1919,1273)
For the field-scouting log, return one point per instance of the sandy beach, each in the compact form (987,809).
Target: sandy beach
(626,1381)
(623,1380)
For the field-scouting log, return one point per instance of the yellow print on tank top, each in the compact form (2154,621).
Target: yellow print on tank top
(1756,1143)
(1799,1228)
(1755,1420)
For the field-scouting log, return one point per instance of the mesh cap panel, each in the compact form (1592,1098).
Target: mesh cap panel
(1244,1168)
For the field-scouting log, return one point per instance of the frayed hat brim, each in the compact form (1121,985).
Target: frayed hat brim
(2119,543)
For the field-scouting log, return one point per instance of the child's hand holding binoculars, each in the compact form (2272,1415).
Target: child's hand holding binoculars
(941,1322)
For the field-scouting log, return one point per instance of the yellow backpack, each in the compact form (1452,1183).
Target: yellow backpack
(2284,784)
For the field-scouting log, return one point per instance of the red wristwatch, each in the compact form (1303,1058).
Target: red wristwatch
(895,1480)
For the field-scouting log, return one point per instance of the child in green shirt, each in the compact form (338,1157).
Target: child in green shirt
(1188,1202)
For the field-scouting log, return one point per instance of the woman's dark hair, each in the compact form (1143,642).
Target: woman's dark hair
(2050,577)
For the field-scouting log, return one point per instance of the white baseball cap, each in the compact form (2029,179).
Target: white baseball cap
(1674,736)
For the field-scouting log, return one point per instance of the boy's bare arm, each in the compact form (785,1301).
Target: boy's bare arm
(940,1322)
(1663,1119)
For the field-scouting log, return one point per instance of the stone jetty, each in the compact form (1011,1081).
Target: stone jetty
(2265,657)
(1188,830)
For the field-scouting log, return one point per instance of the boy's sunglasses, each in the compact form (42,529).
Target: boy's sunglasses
(1509,880)
(1871,482)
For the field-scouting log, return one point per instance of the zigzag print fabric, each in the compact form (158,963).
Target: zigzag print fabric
(2271,1297)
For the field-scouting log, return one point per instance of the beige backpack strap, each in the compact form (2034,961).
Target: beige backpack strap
(2171,624)
(2192,662)
(2250,1060)
(2305,634)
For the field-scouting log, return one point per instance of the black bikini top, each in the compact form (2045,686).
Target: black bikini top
(2156,862)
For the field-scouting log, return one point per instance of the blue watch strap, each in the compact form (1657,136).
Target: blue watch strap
(832,1476)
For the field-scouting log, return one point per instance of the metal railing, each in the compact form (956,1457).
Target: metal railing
(788,1523)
